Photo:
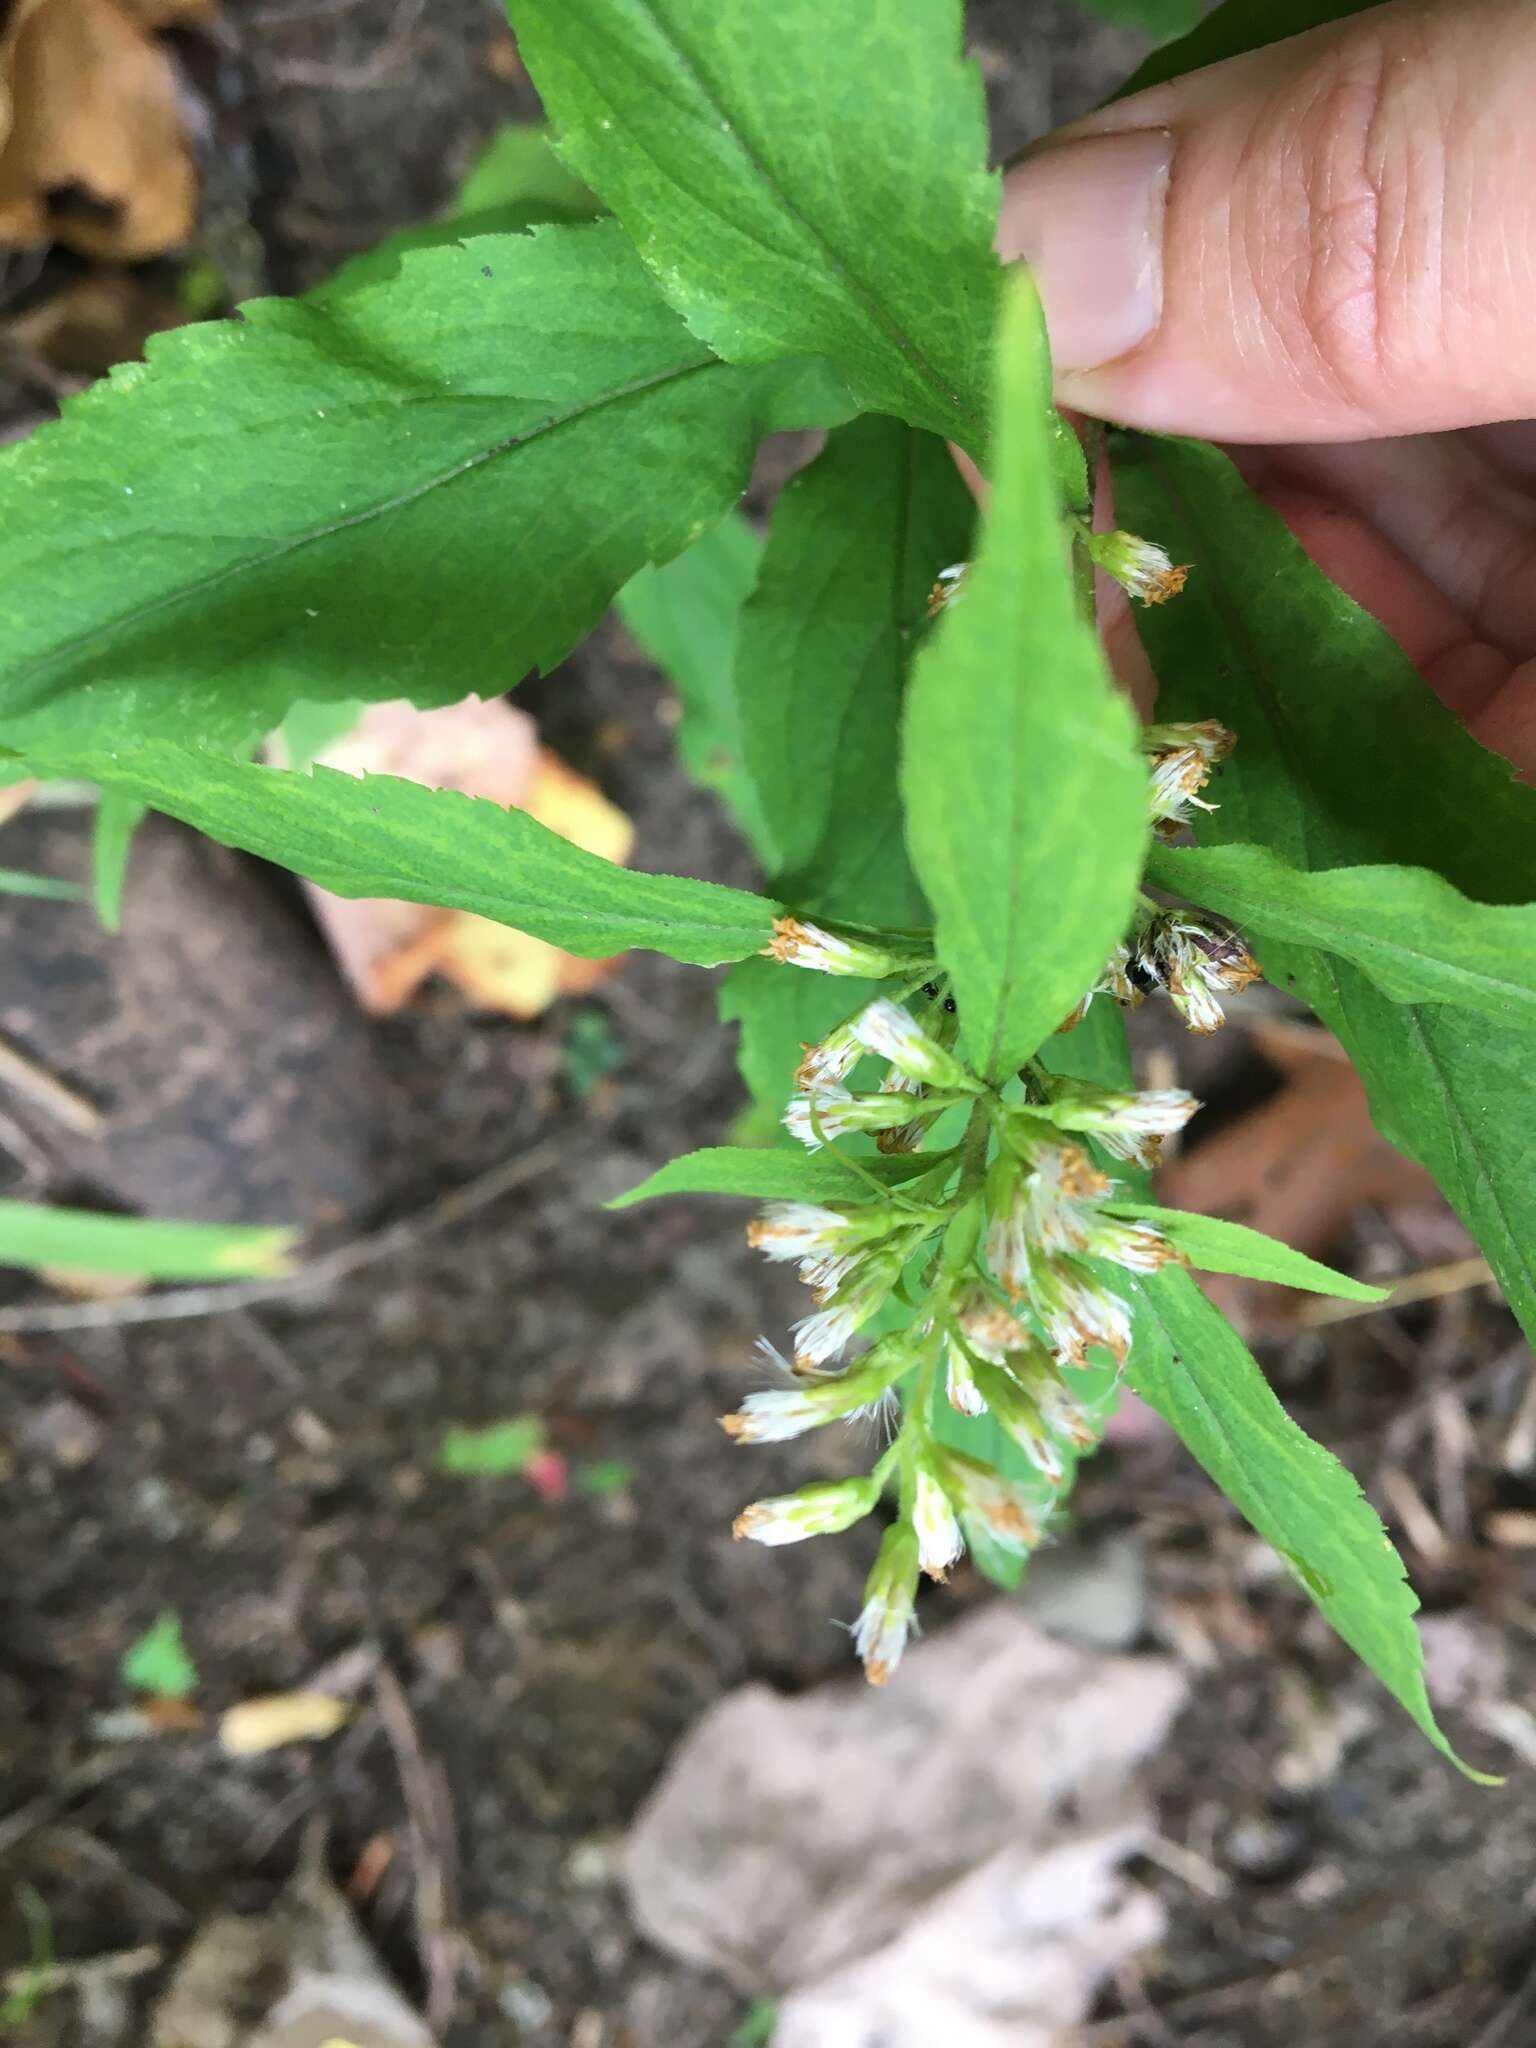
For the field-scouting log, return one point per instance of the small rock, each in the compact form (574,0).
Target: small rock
(1265,1849)
(64,1433)
(1093,1593)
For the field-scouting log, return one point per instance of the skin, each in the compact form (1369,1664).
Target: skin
(1345,227)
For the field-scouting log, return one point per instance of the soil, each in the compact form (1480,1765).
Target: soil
(272,1475)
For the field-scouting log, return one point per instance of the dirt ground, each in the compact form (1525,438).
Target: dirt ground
(271,1474)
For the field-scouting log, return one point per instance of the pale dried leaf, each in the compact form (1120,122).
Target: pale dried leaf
(255,1726)
(795,1838)
(488,750)
(93,113)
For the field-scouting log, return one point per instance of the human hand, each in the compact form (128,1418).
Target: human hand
(1324,255)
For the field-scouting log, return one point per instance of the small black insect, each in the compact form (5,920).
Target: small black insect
(930,989)
(1142,975)
(949,1006)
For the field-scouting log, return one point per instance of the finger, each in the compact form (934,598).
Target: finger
(1495,698)
(1440,500)
(1329,239)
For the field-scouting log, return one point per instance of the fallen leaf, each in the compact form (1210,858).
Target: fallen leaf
(300,1975)
(934,1864)
(255,1726)
(93,153)
(387,949)
(1298,1166)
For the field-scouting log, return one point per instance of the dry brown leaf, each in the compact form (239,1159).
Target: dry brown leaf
(489,750)
(103,316)
(92,149)
(1298,1167)
(269,1722)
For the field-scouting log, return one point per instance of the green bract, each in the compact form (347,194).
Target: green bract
(437,472)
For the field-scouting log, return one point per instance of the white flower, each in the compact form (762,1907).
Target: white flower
(775,1414)
(1061,1413)
(1197,960)
(1139,566)
(1075,1311)
(894,1034)
(821,1337)
(991,1330)
(822,1510)
(1128,1126)
(1139,1247)
(939,1541)
(1021,1420)
(948,587)
(1058,1196)
(1003,1510)
(832,1060)
(800,1230)
(798,943)
(960,1380)
(836,1112)
(889,1612)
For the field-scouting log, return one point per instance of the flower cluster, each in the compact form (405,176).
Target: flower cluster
(1005,1250)
(1194,960)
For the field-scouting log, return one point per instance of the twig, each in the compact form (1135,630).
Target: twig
(47,1092)
(26,1820)
(1429,1285)
(114,1968)
(177,1304)
(429,1820)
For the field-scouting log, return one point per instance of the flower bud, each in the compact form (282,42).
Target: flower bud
(1198,960)
(893,1033)
(821,1510)
(775,1414)
(1021,1420)
(1005,1511)
(832,1112)
(830,1061)
(1139,566)
(1128,1126)
(890,1600)
(1076,1311)
(948,588)
(798,943)
(939,1542)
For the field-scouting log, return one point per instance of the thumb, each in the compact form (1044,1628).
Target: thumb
(1328,239)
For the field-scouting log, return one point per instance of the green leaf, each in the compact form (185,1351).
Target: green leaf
(1345,757)
(309,729)
(822,659)
(518,167)
(769,1175)
(1157,17)
(499,1448)
(32,1235)
(1026,802)
(1216,1246)
(807,177)
(1233,29)
(118,817)
(686,616)
(22,882)
(1417,938)
(590,1051)
(1195,1370)
(828,656)
(424,488)
(158,1664)
(380,836)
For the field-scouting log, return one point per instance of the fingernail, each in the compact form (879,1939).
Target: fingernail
(1088,219)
